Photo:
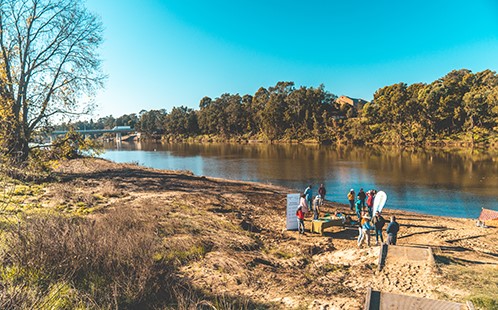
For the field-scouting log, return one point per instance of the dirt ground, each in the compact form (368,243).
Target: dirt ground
(253,256)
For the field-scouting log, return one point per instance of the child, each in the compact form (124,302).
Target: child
(300,220)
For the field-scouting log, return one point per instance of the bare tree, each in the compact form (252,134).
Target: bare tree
(48,60)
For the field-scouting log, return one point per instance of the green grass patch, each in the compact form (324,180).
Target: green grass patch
(28,190)
(481,301)
(480,281)
(194,251)
(327,268)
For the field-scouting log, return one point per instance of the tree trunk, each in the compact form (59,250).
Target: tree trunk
(17,147)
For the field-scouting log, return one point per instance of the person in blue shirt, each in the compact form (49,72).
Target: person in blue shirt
(392,231)
(358,208)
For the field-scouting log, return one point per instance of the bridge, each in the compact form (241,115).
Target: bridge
(118,130)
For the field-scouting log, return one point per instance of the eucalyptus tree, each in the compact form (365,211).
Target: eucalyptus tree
(442,101)
(127,120)
(258,104)
(182,121)
(236,114)
(48,60)
(480,104)
(152,123)
(273,118)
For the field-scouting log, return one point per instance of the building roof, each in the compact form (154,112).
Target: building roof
(357,103)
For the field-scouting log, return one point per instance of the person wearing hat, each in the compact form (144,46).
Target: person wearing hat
(364,229)
(351,196)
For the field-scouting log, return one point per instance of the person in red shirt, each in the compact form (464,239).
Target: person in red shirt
(300,220)
(370,201)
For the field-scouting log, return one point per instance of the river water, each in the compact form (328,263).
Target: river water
(455,183)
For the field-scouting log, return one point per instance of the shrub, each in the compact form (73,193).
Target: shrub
(110,259)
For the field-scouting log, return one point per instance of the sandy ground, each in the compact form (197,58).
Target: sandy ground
(252,255)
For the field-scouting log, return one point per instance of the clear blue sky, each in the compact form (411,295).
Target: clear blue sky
(161,54)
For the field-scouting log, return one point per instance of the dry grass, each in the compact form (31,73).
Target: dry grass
(125,258)
(109,260)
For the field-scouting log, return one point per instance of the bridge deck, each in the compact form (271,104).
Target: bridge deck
(94,131)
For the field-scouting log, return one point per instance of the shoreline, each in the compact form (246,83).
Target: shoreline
(242,140)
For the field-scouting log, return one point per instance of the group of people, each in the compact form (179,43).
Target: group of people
(377,223)
(307,204)
(362,204)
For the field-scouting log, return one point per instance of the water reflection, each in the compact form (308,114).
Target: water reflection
(436,181)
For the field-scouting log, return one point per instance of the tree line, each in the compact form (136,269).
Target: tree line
(460,106)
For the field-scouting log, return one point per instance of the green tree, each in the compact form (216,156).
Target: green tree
(388,110)
(127,120)
(478,104)
(258,105)
(182,121)
(151,123)
(273,117)
(442,101)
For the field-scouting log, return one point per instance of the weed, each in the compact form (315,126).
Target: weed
(484,302)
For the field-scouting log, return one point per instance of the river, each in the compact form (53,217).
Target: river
(453,182)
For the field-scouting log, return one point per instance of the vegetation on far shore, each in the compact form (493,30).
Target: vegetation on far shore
(461,107)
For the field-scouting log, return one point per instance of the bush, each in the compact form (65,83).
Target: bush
(109,260)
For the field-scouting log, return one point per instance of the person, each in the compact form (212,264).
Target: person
(378,221)
(364,229)
(316,207)
(392,231)
(351,196)
(358,208)
(322,191)
(309,194)
(362,196)
(370,201)
(300,219)
(303,204)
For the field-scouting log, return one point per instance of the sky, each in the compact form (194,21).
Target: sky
(159,54)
